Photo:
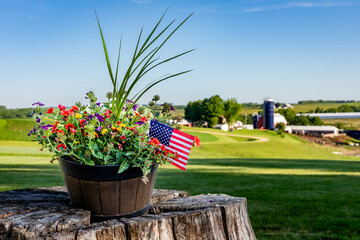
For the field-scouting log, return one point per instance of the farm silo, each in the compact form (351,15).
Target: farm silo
(255,118)
(269,114)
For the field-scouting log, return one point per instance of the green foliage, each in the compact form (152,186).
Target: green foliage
(292,119)
(231,110)
(142,62)
(213,108)
(339,125)
(194,111)
(21,113)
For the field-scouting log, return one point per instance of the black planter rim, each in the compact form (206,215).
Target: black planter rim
(99,172)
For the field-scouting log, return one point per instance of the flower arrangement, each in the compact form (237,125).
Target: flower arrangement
(115,132)
(90,134)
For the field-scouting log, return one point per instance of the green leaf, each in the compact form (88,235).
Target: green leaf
(123,167)
(88,161)
(98,155)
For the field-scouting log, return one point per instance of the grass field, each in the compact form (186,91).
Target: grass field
(348,123)
(295,190)
(15,129)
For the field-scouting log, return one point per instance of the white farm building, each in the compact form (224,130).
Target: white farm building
(278,118)
(312,130)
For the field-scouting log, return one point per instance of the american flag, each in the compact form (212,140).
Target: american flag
(174,140)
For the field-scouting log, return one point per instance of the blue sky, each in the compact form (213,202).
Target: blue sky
(51,51)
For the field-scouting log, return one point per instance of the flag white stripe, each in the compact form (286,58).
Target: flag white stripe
(181,142)
(179,147)
(182,154)
(183,161)
(178,163)
(182,137)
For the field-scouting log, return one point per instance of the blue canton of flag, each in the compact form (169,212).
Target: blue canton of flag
(174,140)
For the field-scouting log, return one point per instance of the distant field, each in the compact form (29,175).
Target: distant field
(307,107)
(348,122)
(180,112)
(16,129)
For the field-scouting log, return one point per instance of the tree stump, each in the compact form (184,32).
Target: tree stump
(46,213)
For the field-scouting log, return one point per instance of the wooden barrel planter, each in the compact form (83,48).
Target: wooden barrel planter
(106,193)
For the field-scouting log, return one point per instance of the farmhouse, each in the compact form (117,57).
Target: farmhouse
(224,127)
(312,130)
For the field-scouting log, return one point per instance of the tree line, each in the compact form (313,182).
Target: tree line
(325,101)
(15,113)
(211,110)
(293,119)
(342,108)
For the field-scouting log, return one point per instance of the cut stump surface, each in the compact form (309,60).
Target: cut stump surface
(46,213)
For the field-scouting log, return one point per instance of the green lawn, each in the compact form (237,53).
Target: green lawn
(295,190)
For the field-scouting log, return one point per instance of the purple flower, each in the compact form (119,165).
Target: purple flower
(32,131)
(38,104)
(172,108)
(140,123)
(99,128)
(98,104)
(46,127)
(38,120)
(135,107)
(99,117)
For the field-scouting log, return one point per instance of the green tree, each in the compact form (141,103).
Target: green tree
(316,121)
(193,111)
(231,110)
(289,114)
(212,108)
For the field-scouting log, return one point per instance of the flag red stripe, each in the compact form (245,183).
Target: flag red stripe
(188,144)
(184,134)
(179,150)
(176,165)
(179,145)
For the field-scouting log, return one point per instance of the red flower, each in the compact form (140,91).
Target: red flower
(50,110)
(75,108)
(61,146)
(163,148)
(154,142)
(107,113)
(143,119)
(60,131)
(61,107)
(167,152)
(65,113)
(196,142)
(69,125)
(122,137)
(54,128)
(82,121)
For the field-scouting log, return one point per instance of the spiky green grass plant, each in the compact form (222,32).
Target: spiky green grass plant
(142,62)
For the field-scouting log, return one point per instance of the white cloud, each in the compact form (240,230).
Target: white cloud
(296,5)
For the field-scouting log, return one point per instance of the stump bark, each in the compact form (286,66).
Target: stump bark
(46,213)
